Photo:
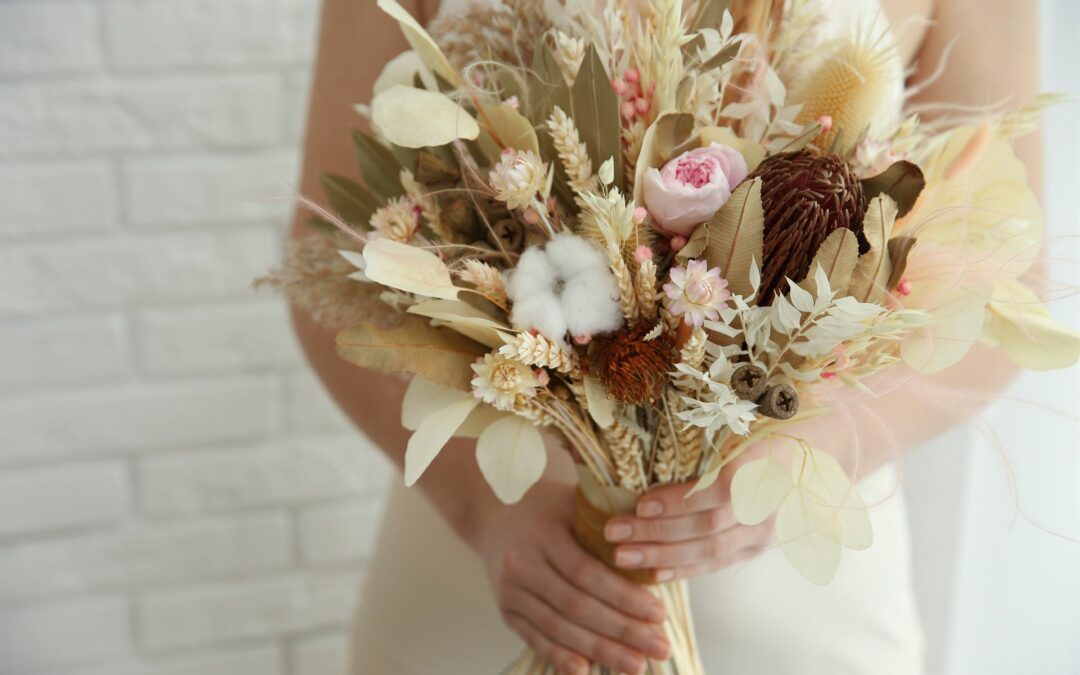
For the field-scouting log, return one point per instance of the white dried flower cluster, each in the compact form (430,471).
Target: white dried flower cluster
(499,381)
(518,177)
(565,287)
(715,406)
(398,219)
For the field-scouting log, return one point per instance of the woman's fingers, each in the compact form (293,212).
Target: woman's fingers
(582,608)
(559,630)
(673,500)
(719,548)
(666,574)
(680,528)
(566,661)
(594,577)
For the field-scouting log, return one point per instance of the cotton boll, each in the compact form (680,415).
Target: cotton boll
(541,311)
(533,275)
(571,255)
(590,303)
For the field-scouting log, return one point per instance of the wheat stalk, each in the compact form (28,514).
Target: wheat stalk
(537,350)
(646,288)
(572,152)
(632,137)
(626,451)
(569,53)
(627,288)
(667,53)
(487,280)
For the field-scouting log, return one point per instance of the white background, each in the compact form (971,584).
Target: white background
(177,496)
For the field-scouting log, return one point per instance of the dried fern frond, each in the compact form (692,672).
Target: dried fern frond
(315,278)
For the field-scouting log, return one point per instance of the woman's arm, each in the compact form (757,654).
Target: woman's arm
(565,603)
(995,58)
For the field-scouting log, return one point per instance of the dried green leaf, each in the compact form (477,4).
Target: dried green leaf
(899,249)
(352,201)
(503,128)
(417,118)
(378,166)
(408,268)
(432,435)
(903,181)
(415,347)
(595,109)
(512,457)
(736,235)
(837,257)
(421,42)
(869,280)
(758,488)
(709,14)
(720,58)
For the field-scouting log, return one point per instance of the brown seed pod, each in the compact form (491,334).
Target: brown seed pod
(634,370)
(749,382)
(805,197)
(780,401)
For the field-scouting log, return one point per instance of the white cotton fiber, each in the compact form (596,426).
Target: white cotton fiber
(572,255)
(543,312)
(590,302)
(533,274)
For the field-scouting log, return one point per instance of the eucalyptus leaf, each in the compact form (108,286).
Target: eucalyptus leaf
(595,109)
(378,165)
(758,488)
(415,347)
(507,128)
(870,278)
(736,236)
(903,181)
(807,533)
(512,456)
(417,118)
(352,201)
(421,42)
(432,435)
(408,268)
(1018,322)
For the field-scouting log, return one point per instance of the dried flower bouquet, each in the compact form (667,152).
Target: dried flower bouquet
(665,230)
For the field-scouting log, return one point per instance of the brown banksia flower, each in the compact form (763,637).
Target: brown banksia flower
(805,197)
(634,370)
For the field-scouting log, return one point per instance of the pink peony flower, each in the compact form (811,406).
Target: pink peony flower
(696,293)
(690,188)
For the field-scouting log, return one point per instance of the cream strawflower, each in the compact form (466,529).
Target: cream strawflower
(397,220)
(500,380)
(696,293)
(518,176)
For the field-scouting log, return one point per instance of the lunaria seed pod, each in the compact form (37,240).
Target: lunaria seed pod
(780,401)
(749,382)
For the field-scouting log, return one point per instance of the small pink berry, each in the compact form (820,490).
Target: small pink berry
(826,123)
(619,85)
(652,89)
(632,75)
(531,216)
(552,204)
(643,253)
(642,105)
(828,375)
(904,287)
(512,102)
(542,377)
(508,152)
(640,214)
(582,339)
(677,243)
(628,110)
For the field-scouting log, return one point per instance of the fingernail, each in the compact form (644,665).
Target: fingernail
(628,558)
(659,648)
(617,531)
(665,575)
(650,509)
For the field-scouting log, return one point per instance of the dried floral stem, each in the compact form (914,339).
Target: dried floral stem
(689,439)
(569,53)
(488,281)
(632,137)
(626,451)
(627,291)
(667,54)
(537,350)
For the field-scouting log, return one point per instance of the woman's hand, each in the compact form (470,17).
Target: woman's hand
(678,536)
(567,605)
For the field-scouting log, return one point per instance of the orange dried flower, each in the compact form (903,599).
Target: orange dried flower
(634,370)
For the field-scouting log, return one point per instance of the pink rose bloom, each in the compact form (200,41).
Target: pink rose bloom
(696,292)
(692,187)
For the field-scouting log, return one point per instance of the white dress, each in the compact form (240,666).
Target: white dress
(426,606)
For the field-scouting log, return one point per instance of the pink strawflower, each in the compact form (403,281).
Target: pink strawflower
(696,292)
(690,188)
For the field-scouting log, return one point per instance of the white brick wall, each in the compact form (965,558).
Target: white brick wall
(177,494)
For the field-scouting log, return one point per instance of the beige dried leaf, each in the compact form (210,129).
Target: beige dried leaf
(837,256)
(601,406)
(758,488)
(417,118)
(669,131)
(464,318)
(421,42)
(415,347)
(736,236)
(512,457)
(408,268)
(506,128)
(870,278)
